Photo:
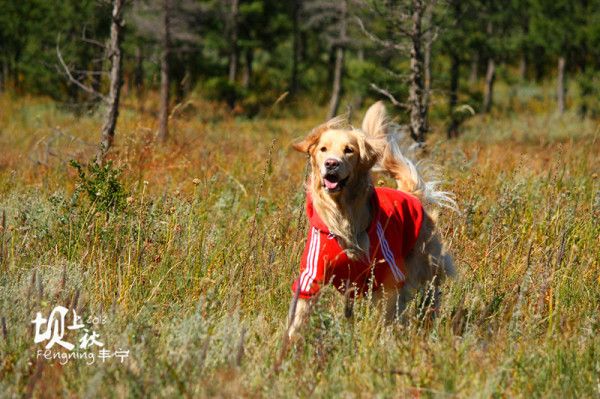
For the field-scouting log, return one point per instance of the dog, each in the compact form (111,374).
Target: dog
(361,238)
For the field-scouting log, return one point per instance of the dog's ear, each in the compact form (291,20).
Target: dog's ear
(309,141)
(368,154)
(306,144)
(375,120)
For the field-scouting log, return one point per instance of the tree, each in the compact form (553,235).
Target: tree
(428,37)
(453,41)
(418,107)
(490,72)
(116,78)
(262,26)
(336,90)
(296,39)
(520,35)
(114,54)
(172,25)
(462,42)
(163,112)
(405,33)
(554,28)
(560,84)
(233,28)
(331,18)
(497,20)
(28,33)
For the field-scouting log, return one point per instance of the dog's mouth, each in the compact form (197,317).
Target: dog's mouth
(333,183)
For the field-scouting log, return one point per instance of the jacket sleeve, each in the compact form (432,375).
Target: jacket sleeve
(311,267)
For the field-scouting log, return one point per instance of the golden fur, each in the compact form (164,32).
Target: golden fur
(346,212)
(346,215)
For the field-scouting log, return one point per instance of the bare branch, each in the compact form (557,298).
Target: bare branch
(94,42)
(384,43)
(399,26)
(400,76)
(91,41)
(432,28)
(89,73)
(323,18)
(389,96)
(82,86)
(321,6)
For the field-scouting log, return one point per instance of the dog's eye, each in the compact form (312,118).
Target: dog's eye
(323,149)
(348,150)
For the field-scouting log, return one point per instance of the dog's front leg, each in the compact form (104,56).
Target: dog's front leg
(299,312)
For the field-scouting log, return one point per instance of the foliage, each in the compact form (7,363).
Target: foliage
(533,32)
(101,184)
(589,87)
(220,89)
(30,32)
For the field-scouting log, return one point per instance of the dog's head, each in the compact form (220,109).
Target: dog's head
(340,157)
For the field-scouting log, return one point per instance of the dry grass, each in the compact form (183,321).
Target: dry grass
(194,277)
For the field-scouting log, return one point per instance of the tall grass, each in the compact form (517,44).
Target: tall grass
(194,274)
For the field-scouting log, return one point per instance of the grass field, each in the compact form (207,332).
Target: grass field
(192,269)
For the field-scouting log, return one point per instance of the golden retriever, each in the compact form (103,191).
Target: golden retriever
(363,238)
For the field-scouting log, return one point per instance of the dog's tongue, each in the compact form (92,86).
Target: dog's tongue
(330,184)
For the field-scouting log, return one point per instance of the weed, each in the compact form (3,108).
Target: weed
(193,268)
(101,184)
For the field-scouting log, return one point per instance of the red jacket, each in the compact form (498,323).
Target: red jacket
(392,235)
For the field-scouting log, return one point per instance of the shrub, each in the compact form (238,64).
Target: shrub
(102,185)
(221,89)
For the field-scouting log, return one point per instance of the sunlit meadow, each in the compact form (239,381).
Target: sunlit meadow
(191,265)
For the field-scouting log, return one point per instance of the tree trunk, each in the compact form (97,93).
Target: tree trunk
(416,89)
(4,77)
(234,51)
(474,75)
(296,6)
(490,77)
(334,102)
(523,67)
(338,72)
(560,85)
(187,83)
(247,76)
(115,56)
(138,74)
(453,100)
(163,119)
(178,77)
(16,69)
(427,44)
(331,65)
(539,64)
(138,77)
(358,98)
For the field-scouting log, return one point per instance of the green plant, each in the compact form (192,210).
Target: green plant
(220,89)
(101,184)
(193,278)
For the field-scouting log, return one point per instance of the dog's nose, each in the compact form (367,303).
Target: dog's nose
(331,163)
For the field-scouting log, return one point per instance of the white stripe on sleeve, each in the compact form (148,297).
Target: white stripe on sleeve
(314,262)
(309,257)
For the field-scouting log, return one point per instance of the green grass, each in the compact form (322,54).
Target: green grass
(194,276)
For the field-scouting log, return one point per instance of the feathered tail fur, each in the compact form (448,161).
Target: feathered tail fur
(388,139)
